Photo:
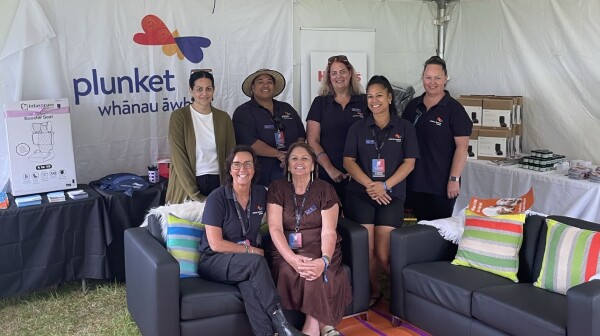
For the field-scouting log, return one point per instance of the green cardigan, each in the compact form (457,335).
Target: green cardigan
(182,140)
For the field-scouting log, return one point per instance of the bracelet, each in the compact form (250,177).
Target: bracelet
(327,258)
(385,186)
(246,246)
(324,258)
(323,152)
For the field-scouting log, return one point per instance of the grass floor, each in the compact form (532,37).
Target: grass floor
(67,310)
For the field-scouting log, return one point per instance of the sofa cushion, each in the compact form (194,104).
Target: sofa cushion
(202,299)
(447,285)
(571,257)
(491,244)
(521,309)
(183,238)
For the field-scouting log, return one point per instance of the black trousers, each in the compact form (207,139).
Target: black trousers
(251,274)
(207,183)
(429,206)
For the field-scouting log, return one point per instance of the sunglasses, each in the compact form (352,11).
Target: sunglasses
(340,58)
(200,70)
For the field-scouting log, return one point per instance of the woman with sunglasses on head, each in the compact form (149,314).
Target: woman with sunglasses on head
(232,217)
(200,137)
(267,125)
(306,264)
(340,103)
(380,152)
(443,129)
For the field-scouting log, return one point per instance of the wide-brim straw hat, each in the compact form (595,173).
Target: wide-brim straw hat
(278,79)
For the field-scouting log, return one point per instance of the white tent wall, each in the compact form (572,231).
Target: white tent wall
(545,50)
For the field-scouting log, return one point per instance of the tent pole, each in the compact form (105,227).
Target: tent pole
(441,22)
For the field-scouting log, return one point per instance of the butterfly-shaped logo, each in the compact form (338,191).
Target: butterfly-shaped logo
(156,33)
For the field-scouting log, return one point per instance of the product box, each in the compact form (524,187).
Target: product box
(40,146)
(493,144)
(163,167)
(474,108)
(497,113)
(472,148)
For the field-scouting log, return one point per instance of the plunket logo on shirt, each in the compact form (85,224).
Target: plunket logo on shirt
(156,33)
(438,121)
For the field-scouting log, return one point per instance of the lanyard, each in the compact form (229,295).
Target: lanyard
(238,209)
(377,147)
(298,211)
(419,114)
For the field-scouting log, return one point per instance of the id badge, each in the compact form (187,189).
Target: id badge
(378,167)
(244,242)
(295,240)
(279,140)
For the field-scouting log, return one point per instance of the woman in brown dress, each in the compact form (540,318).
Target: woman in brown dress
(302,214)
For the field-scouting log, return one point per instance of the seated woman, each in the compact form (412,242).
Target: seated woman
(232,215)
(303,213)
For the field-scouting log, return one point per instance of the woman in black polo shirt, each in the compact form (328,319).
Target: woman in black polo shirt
(232,217)
(267,125)
(341,102)
(379,154)
(443,129)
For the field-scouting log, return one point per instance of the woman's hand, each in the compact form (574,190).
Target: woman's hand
(376,190)
(298,260)
(336,175)
(281,158)
(312,269)
(453,188)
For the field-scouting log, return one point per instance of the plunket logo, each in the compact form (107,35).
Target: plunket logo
(156,33)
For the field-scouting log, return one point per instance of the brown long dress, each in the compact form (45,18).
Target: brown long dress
(324,301)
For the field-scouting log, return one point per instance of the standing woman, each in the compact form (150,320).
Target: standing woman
(200,136)
(443,129)
(267,125)
(340,103)
(232,217)
(380,153)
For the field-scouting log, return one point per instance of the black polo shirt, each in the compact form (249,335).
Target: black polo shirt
(399,142)
(220,211)
(253,122)
(335,123)
(436,130)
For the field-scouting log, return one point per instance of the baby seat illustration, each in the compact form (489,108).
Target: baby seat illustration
(43,138)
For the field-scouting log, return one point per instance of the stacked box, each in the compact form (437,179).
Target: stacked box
(474,108)
(472,150)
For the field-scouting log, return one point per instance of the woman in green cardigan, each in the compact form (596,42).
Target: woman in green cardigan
(200,137)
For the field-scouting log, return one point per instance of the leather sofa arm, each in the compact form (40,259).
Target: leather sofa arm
(355,254)
(583,309)
(409,245)
(152,284)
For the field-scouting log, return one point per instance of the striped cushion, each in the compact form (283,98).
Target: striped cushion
(570,258)
(491,244)
(183,238)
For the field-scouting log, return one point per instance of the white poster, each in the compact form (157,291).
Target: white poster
(318,65)
(124,66)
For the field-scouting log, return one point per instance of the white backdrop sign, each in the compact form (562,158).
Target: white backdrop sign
(125,66)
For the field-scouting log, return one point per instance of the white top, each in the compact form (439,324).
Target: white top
(206,146)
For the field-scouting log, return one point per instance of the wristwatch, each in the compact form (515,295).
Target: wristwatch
(454,178)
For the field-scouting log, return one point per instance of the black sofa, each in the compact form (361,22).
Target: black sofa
(161,303)
(444,299)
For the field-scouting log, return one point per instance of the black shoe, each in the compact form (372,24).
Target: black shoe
(282,326)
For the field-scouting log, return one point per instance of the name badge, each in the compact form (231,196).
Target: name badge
(279,139)
(369,141)
(295,240)
(269,126)
(310,210)
(378,167)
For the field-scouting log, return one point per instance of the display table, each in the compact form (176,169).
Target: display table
(52,243)
(125,212)
(554,194)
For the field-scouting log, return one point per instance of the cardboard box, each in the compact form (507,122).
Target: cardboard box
(163,167)
(493,144)
(472,148)
(474,108)
(40,146)
(497,113)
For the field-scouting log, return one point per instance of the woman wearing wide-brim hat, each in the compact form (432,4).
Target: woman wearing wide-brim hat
(267,125)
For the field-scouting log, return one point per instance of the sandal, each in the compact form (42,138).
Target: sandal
(329,331)
(375,300)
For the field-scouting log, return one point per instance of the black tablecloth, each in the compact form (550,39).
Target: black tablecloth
(48,244)
(125,212)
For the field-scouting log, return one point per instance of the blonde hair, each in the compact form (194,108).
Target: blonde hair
(326,86)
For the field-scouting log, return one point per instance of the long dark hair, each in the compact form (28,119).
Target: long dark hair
(381,80)
(229,162)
